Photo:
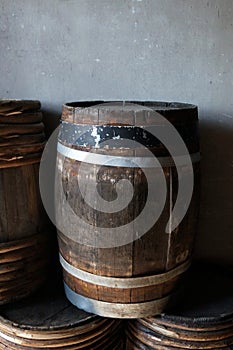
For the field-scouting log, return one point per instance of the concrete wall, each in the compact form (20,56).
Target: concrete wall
(62,50)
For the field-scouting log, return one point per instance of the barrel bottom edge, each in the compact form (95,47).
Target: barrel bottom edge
(116,310)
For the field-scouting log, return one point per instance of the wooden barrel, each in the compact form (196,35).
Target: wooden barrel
(202,320)
(23,222)
(48,321)
(135,279)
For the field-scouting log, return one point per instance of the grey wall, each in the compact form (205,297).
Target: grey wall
(62,50)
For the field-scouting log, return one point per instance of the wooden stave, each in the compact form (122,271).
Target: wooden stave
(116,295)
(21,274)
(21,118)
(15,151)
(20,288)
(17,140)
(24,129)
(67,257)
(29,217)
(71,112)
(11,267)
(18,284)
(76,254)
(7,281)
(15,162)
(28,267)
(23,243)
(25,290)
(24,253)
(16,105)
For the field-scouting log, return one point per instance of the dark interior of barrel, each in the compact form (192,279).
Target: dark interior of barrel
(157,105)
(207,296)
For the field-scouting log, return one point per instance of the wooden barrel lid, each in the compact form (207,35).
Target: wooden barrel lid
(10,106)
(48,320)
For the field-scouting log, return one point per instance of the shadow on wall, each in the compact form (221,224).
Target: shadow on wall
(51,120)
(215,235)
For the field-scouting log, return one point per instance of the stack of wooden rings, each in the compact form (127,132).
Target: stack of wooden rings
(48,320)
(203,320)
(23,223)
(22,135)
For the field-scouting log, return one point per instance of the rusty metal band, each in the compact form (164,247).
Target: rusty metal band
(117,310)
(95,135)
(129,162)
(123,283)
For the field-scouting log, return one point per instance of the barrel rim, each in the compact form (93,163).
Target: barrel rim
(160,105)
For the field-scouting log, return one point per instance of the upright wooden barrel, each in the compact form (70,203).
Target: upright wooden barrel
(23,223)
(135,278)
(202,320)
(48,321)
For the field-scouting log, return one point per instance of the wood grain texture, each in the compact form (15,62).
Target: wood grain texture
(23,266)
(21,150)
(16,140)
(18,129)
(155,252)
(203,319)
(21,118)
(9,106)
(48,320)
(24,246)
(7,162)
(21,210)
